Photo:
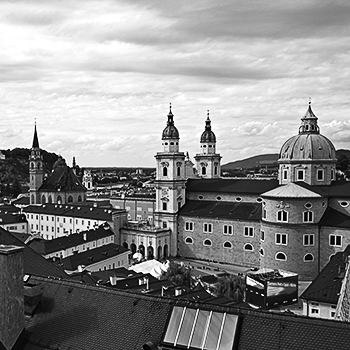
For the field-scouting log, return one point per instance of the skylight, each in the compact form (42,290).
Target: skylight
(201,329)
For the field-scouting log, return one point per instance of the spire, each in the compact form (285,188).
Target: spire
(208,122)
(170,117)
(35,138)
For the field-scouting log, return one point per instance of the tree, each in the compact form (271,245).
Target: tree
(178,274)
(342,162)
(232,287)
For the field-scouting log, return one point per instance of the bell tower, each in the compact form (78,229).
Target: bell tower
(170,181)
(35,170)
(208,161)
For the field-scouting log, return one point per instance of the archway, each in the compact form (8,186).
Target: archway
(43,199)
(142,249)
(59,200)
(133,248)
(165,251)
(50,199)
(125,245)
(150,253)
(159,250)
(70,199)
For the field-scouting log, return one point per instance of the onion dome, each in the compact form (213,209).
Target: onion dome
(170,131)
(309,144)
(208,135)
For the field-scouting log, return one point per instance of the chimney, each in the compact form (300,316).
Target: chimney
(11,295)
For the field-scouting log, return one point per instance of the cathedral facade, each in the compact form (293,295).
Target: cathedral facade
(296,222)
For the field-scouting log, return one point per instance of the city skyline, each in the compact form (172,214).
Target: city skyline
(98,78)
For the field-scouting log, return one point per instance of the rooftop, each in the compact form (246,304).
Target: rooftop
(222,210)
(326,286)
(44,247)
(92,256)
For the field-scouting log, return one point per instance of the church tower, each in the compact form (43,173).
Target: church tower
(208,161)
(170,182)
(35,170)
(87,179)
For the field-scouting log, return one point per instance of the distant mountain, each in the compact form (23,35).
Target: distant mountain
(265,159)
(251,162)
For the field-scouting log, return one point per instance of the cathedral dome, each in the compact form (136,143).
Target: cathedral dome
(309,144)
(208,135)
(170,131)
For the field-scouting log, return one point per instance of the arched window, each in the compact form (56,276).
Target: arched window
(32,199)
(79,199)
(228,244)
(165,171)
(189,240)
(178,171)
(125,245)
(281,256)
(204,170)
(43,199)
(248,247)
(70,199)
(207,242)
(59,200)
(215,170)
(308,257)
(50,199)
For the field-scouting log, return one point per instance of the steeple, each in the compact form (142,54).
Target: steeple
(170,131)
(309,122)
(35,138)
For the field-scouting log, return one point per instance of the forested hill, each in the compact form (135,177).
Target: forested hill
(14,169)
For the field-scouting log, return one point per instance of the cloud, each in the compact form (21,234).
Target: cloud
(254,128)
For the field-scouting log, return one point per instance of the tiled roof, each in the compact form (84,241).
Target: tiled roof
(75,316)
(247,186)
(34,263)
(335,189)
(78,211)
(62,179)
(326,286)
(335,218)
(92,256)
(12,218)
(291,190)
(44,247)
(222,210)
(83,317)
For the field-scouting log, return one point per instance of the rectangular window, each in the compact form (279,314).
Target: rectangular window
(52,229)
(262,236)
(282,216)
(314,311)
(127,208)
(150,218)
(308,216)
(138,217)
(207,228)
(335,240)
(300,175)
(139,208)
(53,218)
(320,173)
(64,220)
(248,231)
(188,226)
(58,229)
(285,174)
(58,219)
(165,224)
(82,222)
(309,239)
(264,213)
(31,216)
(228,230)
(165,206)
(149,210)
(281,239)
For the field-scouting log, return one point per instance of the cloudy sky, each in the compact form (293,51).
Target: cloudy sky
(98,75)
